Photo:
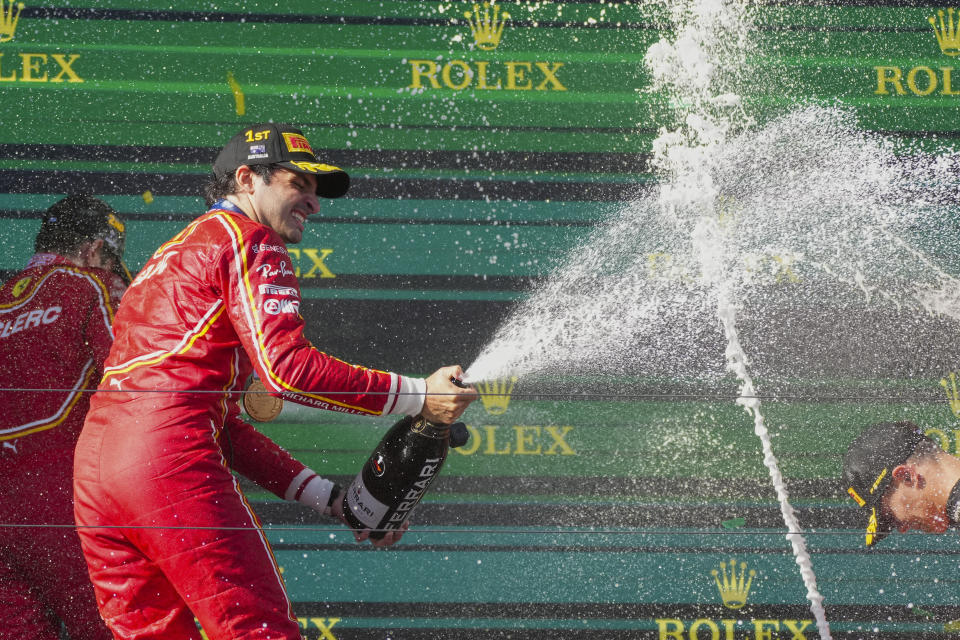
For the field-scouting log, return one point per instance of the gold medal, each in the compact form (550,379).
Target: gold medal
(259,405)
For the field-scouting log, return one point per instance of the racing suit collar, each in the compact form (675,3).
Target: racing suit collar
(42,259)
(226,205)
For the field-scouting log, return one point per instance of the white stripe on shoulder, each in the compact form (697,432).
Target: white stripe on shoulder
(61,410)
(74,272)
(248,310)
(183,341)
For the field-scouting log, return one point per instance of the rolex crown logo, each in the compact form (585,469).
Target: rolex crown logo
(8,19)
(495,394)
(949,385)
(734,587)
(486,27)
(946,31)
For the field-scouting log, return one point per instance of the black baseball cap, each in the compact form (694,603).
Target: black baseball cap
(868,470)
(281,144)
(79,218)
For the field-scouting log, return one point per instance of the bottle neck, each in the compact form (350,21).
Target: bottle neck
(429,429)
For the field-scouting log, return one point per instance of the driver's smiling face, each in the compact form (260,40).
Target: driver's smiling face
(285,202)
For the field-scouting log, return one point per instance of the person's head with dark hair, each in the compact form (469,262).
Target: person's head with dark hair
(901,479)
(269,172)
(86,230)
(222,185)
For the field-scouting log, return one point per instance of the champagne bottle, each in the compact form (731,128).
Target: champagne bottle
(398,473)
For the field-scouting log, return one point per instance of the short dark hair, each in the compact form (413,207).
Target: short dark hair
(927,448)
(77,219)
(219,186)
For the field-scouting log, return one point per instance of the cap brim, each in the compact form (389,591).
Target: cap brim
(332,182)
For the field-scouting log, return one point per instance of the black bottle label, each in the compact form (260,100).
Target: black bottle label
(416,490)
(398,473)
(366,503)
(365,508)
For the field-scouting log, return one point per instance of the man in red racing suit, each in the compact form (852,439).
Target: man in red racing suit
(55,333)
(166,531)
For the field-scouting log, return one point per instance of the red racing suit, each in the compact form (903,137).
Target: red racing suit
(165,529)
(55,333)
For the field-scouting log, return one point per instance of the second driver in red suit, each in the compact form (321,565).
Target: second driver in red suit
(165,529)
(55,333)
